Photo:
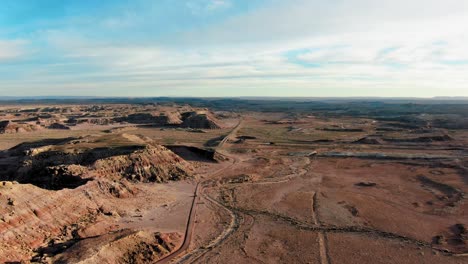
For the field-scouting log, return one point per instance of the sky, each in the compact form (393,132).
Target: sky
(213,48)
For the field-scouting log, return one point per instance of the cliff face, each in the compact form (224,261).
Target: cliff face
(36,224)
(57,193)
(161,119)
(8,127)
(193,119)
(151,164)
(58,126)
(203,120)
(53,167)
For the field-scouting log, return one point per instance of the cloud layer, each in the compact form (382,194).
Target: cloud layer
(233,48)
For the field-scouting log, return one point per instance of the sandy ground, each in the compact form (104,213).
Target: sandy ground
(269,201)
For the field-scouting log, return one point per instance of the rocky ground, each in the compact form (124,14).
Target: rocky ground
(177,184)
(20,120)
(65,192)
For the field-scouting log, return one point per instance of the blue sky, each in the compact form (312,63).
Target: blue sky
(234,48)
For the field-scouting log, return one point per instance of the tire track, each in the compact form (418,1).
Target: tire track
(188,232)
(322,239)
(201,251)
(348,229)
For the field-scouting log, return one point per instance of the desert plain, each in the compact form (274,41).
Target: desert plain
(228,181)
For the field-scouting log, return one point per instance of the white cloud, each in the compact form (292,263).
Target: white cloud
(202,7)
(11,49)
(218,4)
(298,19)
(361,47)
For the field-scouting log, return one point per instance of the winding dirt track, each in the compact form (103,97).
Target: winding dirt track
(320,228)
(200,193)
(236,214)
(190,221)
(233,226)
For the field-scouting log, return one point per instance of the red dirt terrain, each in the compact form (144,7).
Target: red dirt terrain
(173,183)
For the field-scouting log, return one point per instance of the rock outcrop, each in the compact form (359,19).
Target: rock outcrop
(9,127)
(193,119)
(161,119)
(200,119)
(369,140)
(58,126)
(71,164)
(150,164)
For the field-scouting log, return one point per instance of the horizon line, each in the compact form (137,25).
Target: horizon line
(240,96)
